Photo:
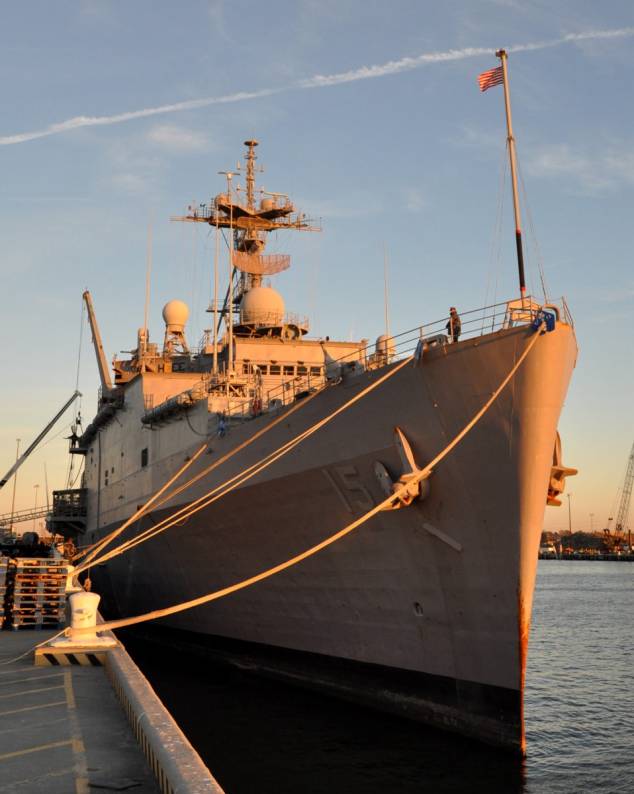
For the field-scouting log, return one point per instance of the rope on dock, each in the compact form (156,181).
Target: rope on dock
(246,474)
(420,475)
(32,648)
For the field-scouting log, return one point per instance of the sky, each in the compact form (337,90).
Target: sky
(117,115)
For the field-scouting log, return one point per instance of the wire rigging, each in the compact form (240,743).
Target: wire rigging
(534,239)
(495,248)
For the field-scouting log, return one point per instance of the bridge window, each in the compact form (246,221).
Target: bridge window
(315,370)
(274,369)
(302,370)
(144,457)
(289,369)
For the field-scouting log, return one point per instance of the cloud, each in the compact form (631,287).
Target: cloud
(131,168)
(317,81)
(593,172)
(622,294)
(96,9)
(414,200)
(178,139)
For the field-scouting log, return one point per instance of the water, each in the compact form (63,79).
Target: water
(580,692)
(261,736)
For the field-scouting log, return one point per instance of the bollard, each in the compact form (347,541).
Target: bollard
(83,615)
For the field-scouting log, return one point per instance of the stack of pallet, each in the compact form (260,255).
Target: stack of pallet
(5,571)
(37,599)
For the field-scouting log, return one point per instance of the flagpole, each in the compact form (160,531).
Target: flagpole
(501,54)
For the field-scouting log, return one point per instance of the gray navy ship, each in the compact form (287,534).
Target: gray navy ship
(424,610)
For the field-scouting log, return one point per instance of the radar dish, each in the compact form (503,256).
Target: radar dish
(261,264)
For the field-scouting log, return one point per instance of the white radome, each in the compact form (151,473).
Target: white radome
(175,314)
(262,306)
(385,346)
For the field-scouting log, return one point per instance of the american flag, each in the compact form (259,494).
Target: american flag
(491,78)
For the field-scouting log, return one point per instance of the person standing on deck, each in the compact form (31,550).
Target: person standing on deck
(453,326)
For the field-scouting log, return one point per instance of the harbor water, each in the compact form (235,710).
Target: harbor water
(258,735)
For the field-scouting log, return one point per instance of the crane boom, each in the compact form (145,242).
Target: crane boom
(34,444)
(626,495)
(104,373)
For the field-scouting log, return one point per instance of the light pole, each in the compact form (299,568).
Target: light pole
(15,482)
(591,522)
(35,507)
(569,514)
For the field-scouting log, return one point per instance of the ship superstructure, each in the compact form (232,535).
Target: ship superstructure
(263,357)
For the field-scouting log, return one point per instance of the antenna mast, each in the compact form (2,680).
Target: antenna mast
(148,272)
(386,295)
(251,158)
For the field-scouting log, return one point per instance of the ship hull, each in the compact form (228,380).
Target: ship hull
(423,611)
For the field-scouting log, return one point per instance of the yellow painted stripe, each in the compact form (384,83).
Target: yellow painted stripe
(31,691)
(33,708)
(34,678)
(26,667)
(39,748)
(68,689)
(82,785)
(40,778)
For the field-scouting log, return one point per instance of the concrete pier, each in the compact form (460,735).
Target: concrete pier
(82,729)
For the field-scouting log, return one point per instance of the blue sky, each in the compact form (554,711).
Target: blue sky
(369,116)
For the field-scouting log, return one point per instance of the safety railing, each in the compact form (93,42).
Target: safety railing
(473,323)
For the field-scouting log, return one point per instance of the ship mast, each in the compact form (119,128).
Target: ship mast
(251,158)
(248,222)
(230,297)
(501,54)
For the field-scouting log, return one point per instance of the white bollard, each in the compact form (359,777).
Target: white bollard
(83,615)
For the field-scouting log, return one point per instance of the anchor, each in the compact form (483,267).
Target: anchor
(558,474)
(416,488)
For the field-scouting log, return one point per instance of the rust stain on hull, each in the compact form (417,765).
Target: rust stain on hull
(523,631)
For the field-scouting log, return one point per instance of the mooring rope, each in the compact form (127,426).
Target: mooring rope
(246,474)
(184,486)
(33,648)
(420,475)
(89,561)
(172,494)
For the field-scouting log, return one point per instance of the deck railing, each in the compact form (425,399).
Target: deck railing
(474,323)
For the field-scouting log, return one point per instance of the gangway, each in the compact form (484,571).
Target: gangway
(20,516)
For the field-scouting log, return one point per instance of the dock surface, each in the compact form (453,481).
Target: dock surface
(62,729)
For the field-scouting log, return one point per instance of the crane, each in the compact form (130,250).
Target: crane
(626,495)
(34,444)
(104,373)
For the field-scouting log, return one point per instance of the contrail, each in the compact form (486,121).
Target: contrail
(317,81)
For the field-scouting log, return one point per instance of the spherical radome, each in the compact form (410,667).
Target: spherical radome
(384,345)
(262,306)
(175,314)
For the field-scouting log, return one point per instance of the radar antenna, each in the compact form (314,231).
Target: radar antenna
(249,223)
